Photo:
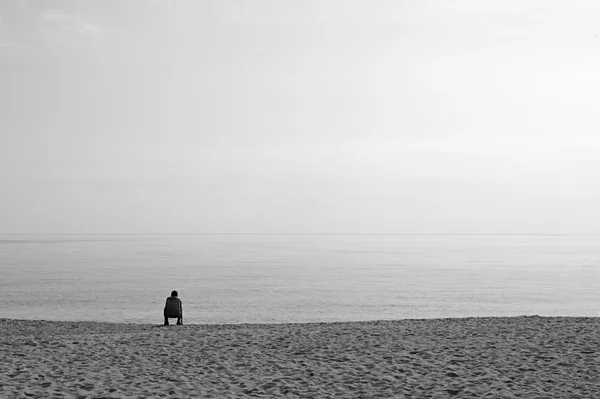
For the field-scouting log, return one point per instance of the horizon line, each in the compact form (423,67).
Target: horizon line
(297,234)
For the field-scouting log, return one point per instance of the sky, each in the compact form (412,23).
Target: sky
(309,117)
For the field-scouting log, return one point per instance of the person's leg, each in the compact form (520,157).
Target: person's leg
(180,320)
(166,318)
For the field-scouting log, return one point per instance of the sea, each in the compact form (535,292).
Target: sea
(233,279)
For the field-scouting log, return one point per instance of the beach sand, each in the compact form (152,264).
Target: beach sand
(527,357)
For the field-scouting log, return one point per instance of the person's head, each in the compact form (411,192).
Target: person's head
(174,293)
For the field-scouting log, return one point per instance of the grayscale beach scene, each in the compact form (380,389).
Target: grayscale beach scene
(299,199)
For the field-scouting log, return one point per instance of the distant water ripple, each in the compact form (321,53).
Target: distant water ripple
(262,279)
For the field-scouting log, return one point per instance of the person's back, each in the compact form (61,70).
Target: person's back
(173,309)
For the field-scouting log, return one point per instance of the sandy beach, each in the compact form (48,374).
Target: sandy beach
(527,357)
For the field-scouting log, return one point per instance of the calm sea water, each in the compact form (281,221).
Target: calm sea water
(264,279)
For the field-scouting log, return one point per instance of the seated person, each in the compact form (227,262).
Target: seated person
(173,309)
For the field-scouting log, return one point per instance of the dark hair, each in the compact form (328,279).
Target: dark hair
(174,293)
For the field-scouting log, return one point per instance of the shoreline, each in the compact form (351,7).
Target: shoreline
(520,356)
(307,323)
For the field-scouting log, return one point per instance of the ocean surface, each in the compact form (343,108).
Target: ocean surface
(297,278)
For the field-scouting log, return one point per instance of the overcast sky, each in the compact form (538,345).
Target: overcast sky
(300,116)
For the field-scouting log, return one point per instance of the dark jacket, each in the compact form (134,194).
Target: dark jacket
(173,307)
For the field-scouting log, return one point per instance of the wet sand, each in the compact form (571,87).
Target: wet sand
(527,357)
